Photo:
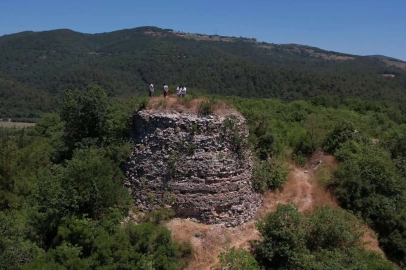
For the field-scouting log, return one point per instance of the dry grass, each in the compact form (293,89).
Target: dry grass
(323,171)
(188,105)
(371,240)
(395,63)
(17,125)
(208,241)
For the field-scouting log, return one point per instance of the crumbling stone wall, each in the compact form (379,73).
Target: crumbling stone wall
(198,165)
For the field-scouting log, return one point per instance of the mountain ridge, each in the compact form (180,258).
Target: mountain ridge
(124,61)
(379,56)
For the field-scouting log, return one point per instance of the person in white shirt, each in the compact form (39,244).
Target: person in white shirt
(178,90)
(151,89)
(183,91)
(166,89)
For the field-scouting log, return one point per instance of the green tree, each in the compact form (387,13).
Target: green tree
(85,116)
(342,132)
(269,175)
(283,238)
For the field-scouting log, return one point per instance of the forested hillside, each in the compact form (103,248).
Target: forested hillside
(35,68)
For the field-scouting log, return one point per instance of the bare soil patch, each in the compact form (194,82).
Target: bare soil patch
(389,75)
(397,64)
(329,56)
(17,125)
(201,37)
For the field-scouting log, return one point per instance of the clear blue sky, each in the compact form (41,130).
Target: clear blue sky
(358,26)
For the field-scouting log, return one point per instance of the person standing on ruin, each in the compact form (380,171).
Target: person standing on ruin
(166,90)
(178,91)
(151,89)
(183,91)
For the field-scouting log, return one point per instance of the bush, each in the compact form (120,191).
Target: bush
(299,159)
(269,175)
(207,107)
(284,238)
(15,249)
(268,146)
(327,239)
(96,183)
(304,147)
(342,132)
(159,215)
(233,131)
(237,259)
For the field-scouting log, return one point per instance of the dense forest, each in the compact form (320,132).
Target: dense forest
(36,67)
(63,203)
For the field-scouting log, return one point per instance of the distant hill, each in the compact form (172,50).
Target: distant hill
(385,57)
(43,64)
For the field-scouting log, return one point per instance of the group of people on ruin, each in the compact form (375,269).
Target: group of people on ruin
(180,90)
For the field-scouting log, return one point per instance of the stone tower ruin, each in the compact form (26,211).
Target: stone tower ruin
(198,165)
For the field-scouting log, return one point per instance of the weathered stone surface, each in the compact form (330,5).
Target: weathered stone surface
(199,165)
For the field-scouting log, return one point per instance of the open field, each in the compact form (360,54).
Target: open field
(17,125)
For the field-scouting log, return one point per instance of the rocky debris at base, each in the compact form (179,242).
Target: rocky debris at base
(199,165)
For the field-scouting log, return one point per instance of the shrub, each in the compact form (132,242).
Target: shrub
(342,132)
(143,104)
(304,147)
(173,159)
(15,249)
(284,238)
(232,131)
(299,159)
(193,129)
(267,146)
(326,239)
(237,259)
(159,215)
(269,175)
(190,149)
(207,107)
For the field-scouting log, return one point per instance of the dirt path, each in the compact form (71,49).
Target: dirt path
(208,241)
(298,190)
